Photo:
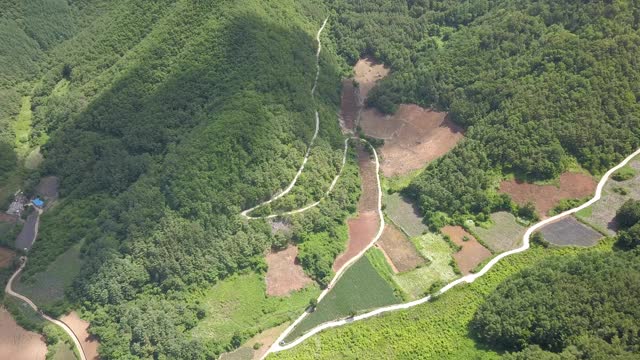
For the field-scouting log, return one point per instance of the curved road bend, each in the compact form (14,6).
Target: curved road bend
(468,278)
(9,290)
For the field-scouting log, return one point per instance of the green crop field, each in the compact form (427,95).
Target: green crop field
(438,269)
(403,214)
(240,305)
(503,234)
(435,330)
(47,287)
(360,288)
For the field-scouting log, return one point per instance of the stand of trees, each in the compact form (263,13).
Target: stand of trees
(535,83)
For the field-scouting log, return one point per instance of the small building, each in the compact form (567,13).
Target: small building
(37,202)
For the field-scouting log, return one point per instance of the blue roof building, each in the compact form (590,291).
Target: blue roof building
(37,202)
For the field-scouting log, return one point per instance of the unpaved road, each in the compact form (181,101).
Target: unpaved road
(466,279)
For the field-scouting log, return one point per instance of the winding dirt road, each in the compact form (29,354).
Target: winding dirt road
(466,279)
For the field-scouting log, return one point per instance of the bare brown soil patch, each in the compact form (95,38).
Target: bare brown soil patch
(6,257)
(367,72)
(369,199)
(349,106)
(472,252)
(414,136)
(362,230)
(545,197)
(284,274)
(4,217)
(17,343)
(400,249)
(80,327)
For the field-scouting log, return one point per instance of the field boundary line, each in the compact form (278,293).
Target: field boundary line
(276,347)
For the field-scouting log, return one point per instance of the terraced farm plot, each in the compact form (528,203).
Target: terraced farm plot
(240,304)
(438,254)
(570,232)
(472,252)
(284,274)
(47,287)
(503,234)
(401,251)
(360,288)
(601,215)
(404,214)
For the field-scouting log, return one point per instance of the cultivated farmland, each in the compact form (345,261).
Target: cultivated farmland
(284,274)
(601,214)
(438,269)
(404,214)
(360,288)
(570,232)
(503,234)
(6,257)
(400,249)
(17,343)
(471,253)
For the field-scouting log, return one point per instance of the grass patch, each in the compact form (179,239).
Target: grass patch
(404,215)
(380,263)
(46,288)
(585,213)
(503,234)
(438,269)
(22,127)
(434,330)
(625,173)
(360,288)
(239,305)
(62,351)
(399,182)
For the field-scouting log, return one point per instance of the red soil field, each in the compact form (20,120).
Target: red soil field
(18,344)
(284,274)
(401,253)
(367,72)
(4,217)
(80,327)
(545,197)
(414,136)
(362,229)
(386,256)
(349,106)
(472,252)
(6,256)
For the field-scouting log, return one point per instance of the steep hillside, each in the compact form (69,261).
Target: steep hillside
(164,120)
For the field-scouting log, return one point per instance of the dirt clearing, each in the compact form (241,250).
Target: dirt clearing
(362,228)
(472,252)
(349,106)
(80,327)
(366,73)
(414,136)
(545,197)
(399,249)
(48,187)
(18,344)
(6,257)
(284,274)
(570,232)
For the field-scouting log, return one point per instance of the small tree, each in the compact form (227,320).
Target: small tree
(313,302)
(628,214)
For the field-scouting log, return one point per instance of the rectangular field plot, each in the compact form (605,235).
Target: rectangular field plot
(570,232)
(503,234)
(602,213)
(401,251)
(438,254)
(404,214)
(360,288)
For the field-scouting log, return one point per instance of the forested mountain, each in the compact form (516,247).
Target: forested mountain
(537,84)
(164,119)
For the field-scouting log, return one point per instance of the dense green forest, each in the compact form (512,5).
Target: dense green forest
(586,307)
(164,120)
(537,84)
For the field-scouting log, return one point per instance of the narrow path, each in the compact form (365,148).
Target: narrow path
(276,347)
(9,290)
(306,155)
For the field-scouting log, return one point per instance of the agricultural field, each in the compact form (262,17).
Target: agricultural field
(570,232)
(240,305)
(438,268)
(261,341)
(284,274)
(401,251)
(17,343)
(601,215)
(80,327)
(47,287)
(6,257)
(360,288)
(404,214)
(503,234)
(570,185)
(471,252)
(442,324)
